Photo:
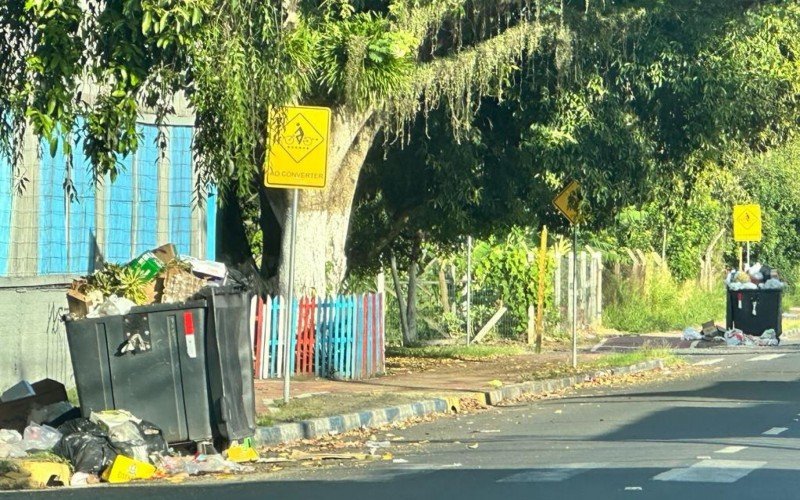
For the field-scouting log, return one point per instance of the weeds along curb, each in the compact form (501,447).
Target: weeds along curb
(316,427)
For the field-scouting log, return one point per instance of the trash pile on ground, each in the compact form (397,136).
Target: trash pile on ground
(45,443)
(733,337)
(156,276)
(756,277)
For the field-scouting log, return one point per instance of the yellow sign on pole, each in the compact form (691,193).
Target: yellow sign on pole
(298,148)
(747,223)
(567,201)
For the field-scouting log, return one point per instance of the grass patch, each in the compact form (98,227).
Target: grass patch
(615,360)
(660,304)
(326,405)
(466,353)
(631,358)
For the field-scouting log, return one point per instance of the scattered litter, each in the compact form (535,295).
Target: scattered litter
(45,474)
(40,437)
(633,488)
(83,479)
(374,445)
(703,457)
(488,431)
(472,446)
(495,383)
(691,334)
(558,411)
(399,461)
(125,469)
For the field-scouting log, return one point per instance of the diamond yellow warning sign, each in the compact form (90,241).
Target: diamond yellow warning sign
(298,148)
(747,223)
(568,200)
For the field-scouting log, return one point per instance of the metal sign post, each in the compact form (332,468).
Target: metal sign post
(469,288)
(568,203)
(297,159)
(575,296)
(287,331)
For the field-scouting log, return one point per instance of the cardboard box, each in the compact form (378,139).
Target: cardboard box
(166,253)
(180,286)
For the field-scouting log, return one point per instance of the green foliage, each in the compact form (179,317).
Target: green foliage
(509,271)
(128,282)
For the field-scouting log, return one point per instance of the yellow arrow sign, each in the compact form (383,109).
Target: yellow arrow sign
(298,148)
(567,201)
(747,223)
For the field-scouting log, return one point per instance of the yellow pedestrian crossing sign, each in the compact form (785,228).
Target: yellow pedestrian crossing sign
(298,148)
(747,223)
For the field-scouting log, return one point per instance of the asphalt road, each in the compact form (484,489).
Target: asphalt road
(733,432)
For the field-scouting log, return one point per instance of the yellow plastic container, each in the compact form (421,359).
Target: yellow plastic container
(42,473)
(125,469)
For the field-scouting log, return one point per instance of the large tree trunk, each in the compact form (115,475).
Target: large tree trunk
(323,216)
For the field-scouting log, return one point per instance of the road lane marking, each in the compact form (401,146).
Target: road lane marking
(774,431)
(766,357)
(709,361)
(551,474)
(711,471)
(731,449)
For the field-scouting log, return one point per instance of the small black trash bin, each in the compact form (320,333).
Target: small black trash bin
(754,311)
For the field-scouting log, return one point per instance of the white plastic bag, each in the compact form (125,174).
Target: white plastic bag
(40,437)
(11,444)
(691,334)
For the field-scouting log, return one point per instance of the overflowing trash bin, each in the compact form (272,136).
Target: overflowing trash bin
(754,301)
(754,311)
(175,352)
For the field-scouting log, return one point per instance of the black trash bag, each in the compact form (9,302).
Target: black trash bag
(153,438)
(85,445)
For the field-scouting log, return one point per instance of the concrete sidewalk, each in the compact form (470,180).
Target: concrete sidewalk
(416,387)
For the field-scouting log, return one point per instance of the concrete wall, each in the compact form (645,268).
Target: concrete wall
(33,343)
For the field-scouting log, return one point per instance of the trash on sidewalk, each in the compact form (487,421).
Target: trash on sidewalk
(125,469)
(243,452)
(373,446)
(691,334)
(22,389)
(17,413)
(86,446)
(45,473)
(40,437)
(11,444)
(129,435)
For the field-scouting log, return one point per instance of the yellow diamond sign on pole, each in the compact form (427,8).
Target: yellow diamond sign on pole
(298,148)
(747,223)
(567,201)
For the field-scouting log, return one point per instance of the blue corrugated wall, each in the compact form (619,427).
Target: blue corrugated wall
(5,212)
(82,214)
(147,190)
(52,212)
(66,232)
(180,189)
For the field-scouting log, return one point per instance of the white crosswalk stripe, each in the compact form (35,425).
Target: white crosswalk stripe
(766,357)
(551,474)
(711,471)
(709,361)
(774,431)
(731,449)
